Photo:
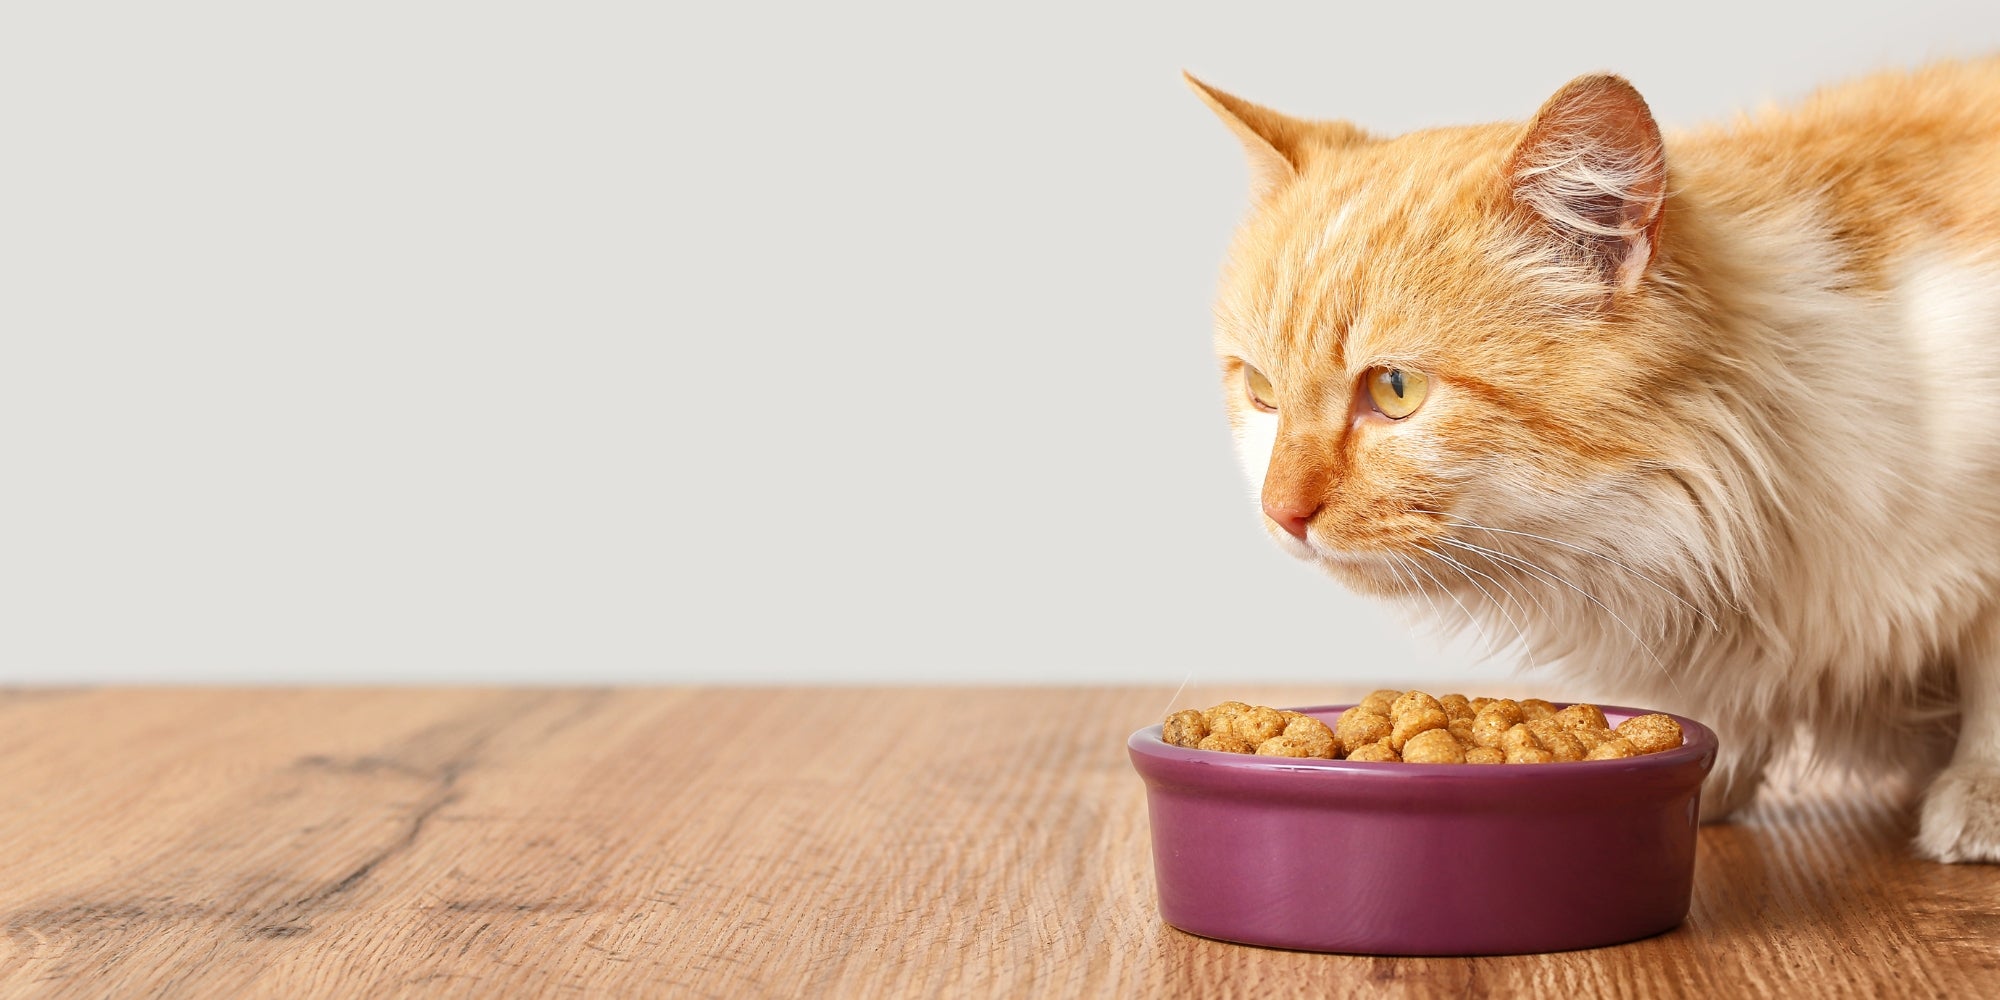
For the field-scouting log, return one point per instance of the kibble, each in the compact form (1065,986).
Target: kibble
(1491,725)
(1378,702)
(1413,727)
(1461,730)
(1456,707)
(1563,746)
(1292,746)
(1651,733)
(1358,727)
(1255,724)
(1582,717)
(1433,746)
(1304,736)
(1519,737)
(1413,700)
(1416,719)
(1590,738)
(1226,743)
(1185,728)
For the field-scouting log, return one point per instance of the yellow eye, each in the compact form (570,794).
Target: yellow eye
(1397,392)
(1258,388)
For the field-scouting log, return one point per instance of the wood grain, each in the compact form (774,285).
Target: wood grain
(785,842)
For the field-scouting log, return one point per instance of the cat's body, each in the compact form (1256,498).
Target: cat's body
(1725,437)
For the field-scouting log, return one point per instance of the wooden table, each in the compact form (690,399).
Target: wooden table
(783,842)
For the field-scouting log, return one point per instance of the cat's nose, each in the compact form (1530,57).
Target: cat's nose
(1291,516)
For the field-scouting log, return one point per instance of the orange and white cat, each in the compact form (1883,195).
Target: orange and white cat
(1709,417)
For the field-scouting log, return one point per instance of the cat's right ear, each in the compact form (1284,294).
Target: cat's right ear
(1276,143)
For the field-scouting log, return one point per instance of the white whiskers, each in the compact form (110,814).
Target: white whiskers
(1537,572)
(1466,571)
(1461,522)
(1484,639)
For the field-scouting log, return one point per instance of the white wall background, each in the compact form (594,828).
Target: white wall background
(702,342)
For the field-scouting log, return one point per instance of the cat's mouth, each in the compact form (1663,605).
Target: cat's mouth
(1377,566)
(1373,572)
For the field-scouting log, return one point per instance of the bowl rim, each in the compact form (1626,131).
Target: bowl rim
(1697,741)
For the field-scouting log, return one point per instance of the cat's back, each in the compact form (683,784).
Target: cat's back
(1893,164)
(1876,203)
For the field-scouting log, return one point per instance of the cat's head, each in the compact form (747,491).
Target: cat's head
(1457,326)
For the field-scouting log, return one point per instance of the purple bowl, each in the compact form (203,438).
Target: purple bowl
(1423,859)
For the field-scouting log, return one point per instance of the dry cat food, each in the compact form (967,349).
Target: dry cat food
(1415,728)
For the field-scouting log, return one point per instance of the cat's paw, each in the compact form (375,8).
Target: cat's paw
(1961,815)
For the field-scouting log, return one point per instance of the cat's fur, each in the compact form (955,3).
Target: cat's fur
(1724,406)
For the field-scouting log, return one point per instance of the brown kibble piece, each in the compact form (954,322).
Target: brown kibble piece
(1519,737)
(1417,720)
(1379,701)
(1257,723)
(1492,724)
(1457,706)
(1226,743)
(1312,732)
(1461,730)
(1433,746)
(1535,708)
(1611,749)
(1295,746)
(1306,721)
(1377,752)
(1412,700)
(1563,745)
(1529,755)
(1184,728)
(1357,727)
(1485,755)
(1219,717)
(1543,729)
(1590,738)
(1651,733)
(1582,716)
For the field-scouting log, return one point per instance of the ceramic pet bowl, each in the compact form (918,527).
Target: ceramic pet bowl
(1423,859)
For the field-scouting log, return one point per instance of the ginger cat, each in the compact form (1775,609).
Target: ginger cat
(1711,417)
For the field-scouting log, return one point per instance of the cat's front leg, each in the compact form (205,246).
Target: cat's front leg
(1961,814)
(1745,752)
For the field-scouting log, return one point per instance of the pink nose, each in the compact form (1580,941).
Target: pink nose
(1290,516)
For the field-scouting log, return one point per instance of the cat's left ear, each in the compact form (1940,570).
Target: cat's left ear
(1592,166)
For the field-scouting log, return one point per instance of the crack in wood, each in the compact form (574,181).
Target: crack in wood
(301,908)
(457,741)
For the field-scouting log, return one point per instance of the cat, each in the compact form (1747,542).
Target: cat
(1711,418)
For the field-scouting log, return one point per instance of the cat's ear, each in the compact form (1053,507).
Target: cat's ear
(1593,168)
(1276,143)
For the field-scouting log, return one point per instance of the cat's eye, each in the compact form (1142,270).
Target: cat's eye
(1396,392)
(1258,388)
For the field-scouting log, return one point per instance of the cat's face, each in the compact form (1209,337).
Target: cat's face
(1409,340)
